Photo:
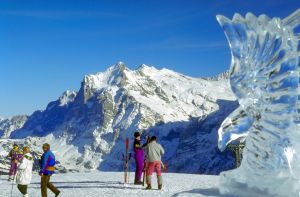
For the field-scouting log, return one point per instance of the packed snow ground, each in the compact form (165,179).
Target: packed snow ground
(97,184)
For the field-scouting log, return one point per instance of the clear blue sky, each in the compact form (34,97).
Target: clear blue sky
(46,47)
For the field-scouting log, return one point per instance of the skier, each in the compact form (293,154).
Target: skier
(47,169)
(15,156)
(154,152)
(24,172)
(139,158)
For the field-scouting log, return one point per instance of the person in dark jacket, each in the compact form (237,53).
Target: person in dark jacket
(139,158)
(47,169)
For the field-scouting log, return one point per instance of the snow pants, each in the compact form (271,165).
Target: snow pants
(22,189)
(156,165)
(13,169)
(45,183)
(13,165)
(139,163)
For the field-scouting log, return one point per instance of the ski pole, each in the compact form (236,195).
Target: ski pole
(12,186)
(162,165)
(13,181)
(128,170)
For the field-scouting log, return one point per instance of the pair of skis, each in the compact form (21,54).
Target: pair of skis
(127,158)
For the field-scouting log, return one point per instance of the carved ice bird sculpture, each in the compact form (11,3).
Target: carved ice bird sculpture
(264,76)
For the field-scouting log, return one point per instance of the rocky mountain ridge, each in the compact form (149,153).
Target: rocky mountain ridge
(88,128)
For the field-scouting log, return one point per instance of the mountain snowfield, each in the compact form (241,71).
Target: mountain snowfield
(87,129)
(11,124)
(110,184)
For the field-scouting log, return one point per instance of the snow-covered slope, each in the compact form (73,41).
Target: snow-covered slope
(221,76)
(110,184)
(11,124)
(88,128)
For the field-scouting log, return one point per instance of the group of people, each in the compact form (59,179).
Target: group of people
(21,169)
(148,159)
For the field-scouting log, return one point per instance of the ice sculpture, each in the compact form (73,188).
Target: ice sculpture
(264,76)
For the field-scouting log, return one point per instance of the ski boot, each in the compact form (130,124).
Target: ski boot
(148,180)
(57,194)
(148,187)
(159,187)
(138,182)
(159,182)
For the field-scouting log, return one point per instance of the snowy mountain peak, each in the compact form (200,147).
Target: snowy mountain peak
(120,64)
(154,88)
(221,76)
(67,97)
(116,69)
(146,68)
(114,77)
(108,77)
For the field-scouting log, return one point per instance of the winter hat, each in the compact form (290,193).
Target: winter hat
(153,138)
(137,134)
(15,147)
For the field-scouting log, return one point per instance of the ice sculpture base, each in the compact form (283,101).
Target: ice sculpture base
(234,183)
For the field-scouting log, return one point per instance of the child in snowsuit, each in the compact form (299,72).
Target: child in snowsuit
(15,156)
(154,152)
(139,158)
(47,169)
(24,173)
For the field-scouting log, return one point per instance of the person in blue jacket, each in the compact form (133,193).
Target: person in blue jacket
(47,169)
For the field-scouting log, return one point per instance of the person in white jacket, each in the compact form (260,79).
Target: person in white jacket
(24,172)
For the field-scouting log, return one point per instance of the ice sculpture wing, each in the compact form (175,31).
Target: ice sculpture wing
(234,127)
(262,73)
